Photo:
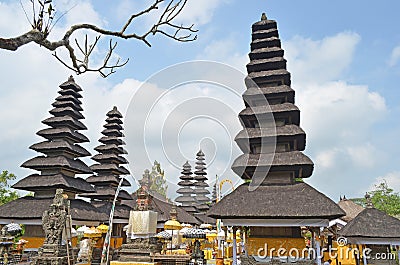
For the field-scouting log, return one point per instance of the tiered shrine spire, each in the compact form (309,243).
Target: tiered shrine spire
(200,191)
(61,149)
(272,143)
(109,159)
(270,119)
(186,189)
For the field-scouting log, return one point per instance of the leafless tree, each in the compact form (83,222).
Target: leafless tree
(42,23)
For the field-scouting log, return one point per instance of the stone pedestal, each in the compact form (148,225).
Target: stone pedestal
(139,250)
(53,254)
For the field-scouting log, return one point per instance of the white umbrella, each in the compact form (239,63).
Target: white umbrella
(13,228)
(194,233)
(164,235)
(81,230)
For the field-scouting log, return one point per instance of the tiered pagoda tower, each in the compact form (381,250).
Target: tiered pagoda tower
(61,149)
(200,184)
(58,166)
(273,144)
(109,158)
(186,189)
(108,168)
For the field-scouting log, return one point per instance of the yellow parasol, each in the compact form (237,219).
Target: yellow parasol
(92,233)
(172,225)
(102,228)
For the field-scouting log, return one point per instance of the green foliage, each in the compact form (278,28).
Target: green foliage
(383,198)
(6,195)
(158,181)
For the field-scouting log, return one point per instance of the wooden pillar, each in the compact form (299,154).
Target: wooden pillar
(234,250)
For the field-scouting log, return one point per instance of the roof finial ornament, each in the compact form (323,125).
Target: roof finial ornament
(263,16)
(71,78)
(340,198)
(368,200)
(344,197)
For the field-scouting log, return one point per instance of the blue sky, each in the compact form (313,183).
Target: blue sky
(344,57)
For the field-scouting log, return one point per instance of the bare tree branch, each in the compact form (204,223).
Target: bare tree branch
(42,24)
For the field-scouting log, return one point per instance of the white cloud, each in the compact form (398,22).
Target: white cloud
(395,56)
(364,155)
(326,158)
(337,117)
(199,12)
(320,60)
(392,179)
(225,51)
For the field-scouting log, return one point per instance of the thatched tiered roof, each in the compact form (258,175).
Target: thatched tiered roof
(272,143)
(270,116)
(108,168)
(61,149)
(186,189)
(372,225)
(350,208)
(201,192)
(276,201)
(58,165)
(30,209)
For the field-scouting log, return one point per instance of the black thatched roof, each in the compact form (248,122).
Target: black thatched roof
(204,219)
(120,212)
(105,193)
(257,91)
(372,223)
(37,182)
(276,201)
(67,103)
(287,160)
(111,180)
(111,140)
(108,169)
(259,51)
(60,145)
(67,98)
(350,208)
(60,163)
(70,92)
(70,84)
(265,43)
(274,63)
(114,113)
(200,184)
(61,121)
(286,130)
(61,133)
(118,170)
(60,111)
(33,208)
(285,107)
(48,162)
(163,209)
(271,75)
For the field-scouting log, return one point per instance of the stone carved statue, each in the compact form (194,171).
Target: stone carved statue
(53,220)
